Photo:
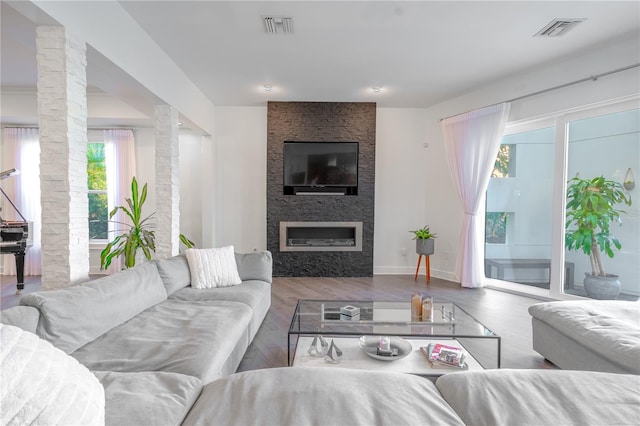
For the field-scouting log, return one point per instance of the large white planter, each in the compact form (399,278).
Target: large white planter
(426,247)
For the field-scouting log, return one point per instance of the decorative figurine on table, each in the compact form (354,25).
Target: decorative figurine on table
(319,346)
(334,354)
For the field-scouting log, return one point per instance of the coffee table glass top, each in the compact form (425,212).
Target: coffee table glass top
(392,318)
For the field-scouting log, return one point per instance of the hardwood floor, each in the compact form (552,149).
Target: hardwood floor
(504,313)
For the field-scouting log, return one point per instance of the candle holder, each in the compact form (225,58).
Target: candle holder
(427,309)
(416,306)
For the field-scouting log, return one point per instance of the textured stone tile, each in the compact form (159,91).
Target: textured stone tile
(321,122)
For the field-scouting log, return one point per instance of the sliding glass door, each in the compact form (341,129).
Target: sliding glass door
(526,200)
(608,146)
(519,209)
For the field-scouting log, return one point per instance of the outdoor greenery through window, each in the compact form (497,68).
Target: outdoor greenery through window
(505,165)
(496,227)
(97,185)
(496,221)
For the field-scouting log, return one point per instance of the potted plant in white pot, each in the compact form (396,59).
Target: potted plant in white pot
(425,243)
(592,204)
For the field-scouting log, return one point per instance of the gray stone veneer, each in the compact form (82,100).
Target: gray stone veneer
(321,122)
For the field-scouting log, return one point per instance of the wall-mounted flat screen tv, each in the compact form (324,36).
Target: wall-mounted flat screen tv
(320,168)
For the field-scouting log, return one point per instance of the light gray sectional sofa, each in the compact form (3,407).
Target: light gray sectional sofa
(596,335)
(145,331)
(147,318)
(162,353)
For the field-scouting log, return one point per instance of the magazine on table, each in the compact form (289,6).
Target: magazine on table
(441,354)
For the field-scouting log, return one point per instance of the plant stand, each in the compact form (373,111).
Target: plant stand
(427,266)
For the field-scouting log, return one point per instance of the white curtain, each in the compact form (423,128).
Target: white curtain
(472,142)
(121,168)
(21,150)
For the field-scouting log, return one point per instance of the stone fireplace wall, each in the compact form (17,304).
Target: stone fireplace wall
(321,122)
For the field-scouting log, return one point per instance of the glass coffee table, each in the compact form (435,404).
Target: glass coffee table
(334,320)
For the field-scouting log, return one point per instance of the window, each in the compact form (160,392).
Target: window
(527,197)
(97,186)
(607,144)
(589,142)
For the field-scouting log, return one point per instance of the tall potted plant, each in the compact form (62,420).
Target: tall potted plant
(592,204)
(424,241)
(137,236)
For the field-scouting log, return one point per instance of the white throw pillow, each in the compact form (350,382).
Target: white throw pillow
(44,386)
(214,267)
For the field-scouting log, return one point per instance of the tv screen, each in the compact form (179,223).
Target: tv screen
(321,164)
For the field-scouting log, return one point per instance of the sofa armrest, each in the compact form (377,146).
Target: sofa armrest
(255,266)
(24,317)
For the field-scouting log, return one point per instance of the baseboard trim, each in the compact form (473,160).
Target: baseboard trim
(409,270)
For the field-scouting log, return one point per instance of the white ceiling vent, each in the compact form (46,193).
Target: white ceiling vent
(278,24)
(558,27)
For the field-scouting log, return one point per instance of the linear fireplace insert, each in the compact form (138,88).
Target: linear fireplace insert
(320,236)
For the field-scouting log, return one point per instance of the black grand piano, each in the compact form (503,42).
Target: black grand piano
(15,235)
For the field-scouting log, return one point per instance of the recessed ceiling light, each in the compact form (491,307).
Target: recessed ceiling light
(376,89)
(180,123)
(267,87)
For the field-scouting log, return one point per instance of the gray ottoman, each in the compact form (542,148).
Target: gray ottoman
(596,335)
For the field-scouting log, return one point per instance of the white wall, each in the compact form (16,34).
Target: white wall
(191,178)
(402,161)
(239,188)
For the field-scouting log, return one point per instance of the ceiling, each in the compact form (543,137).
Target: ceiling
(418,52)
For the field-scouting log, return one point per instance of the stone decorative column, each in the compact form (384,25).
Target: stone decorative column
(62,109)
(167,216)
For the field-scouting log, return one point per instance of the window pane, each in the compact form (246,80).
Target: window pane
(98,216)
(505,165)
(96,167)
(97,185)
(607,146)
(496,227)
(519,215)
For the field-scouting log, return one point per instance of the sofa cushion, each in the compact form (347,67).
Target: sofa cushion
(609,328)
(542,397)
(249,292)
(214,267)
(44,386)
(25,317)
(74,316)
(194,338)
(320,396)
(255,294)
(174,273)
(255,266)
(149,398)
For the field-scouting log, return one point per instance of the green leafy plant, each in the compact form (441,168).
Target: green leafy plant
(423,234)
(187,242)
(138,235)
(592,204)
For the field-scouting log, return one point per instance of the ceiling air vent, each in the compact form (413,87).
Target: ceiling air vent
(278,24)
(558,27)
